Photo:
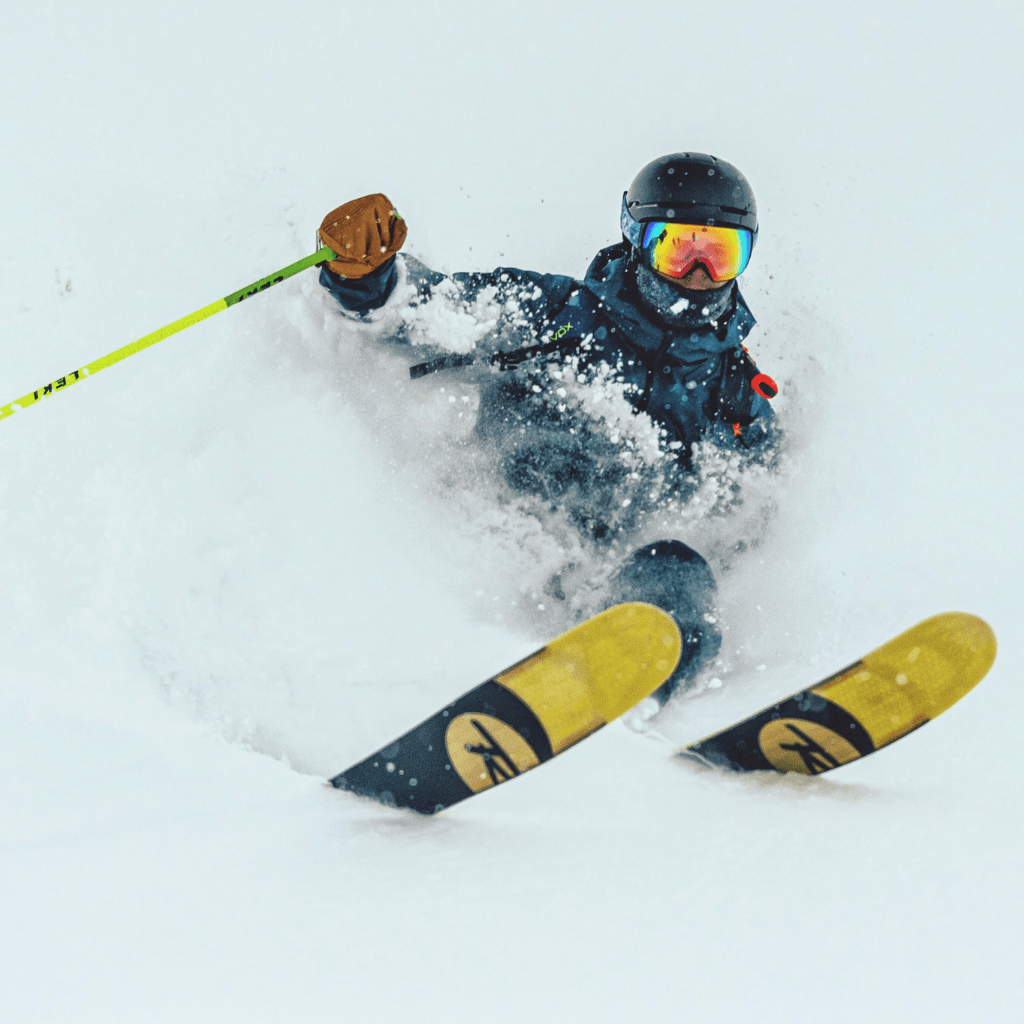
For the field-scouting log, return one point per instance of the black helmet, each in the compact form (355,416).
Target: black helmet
(692,188)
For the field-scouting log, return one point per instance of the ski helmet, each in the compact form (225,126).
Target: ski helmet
(690,188)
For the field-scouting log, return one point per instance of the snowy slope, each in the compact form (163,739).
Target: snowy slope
(229,568)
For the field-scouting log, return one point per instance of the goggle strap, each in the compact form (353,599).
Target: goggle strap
(632,230)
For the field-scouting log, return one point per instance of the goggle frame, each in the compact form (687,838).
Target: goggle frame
(636,233)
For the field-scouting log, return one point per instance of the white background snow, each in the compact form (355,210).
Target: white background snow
(221,579)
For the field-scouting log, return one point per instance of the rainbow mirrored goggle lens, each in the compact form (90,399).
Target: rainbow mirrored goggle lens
(675,249)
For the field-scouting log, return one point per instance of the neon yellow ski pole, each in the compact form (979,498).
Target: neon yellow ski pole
(321,256)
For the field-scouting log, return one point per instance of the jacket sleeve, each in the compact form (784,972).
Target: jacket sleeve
(742,403)
(507,308)
(365,294)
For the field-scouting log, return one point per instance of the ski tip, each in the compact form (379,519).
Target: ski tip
(974,635)
(639,648)
(597,671)
(638,614)
(969,643)
(650,634)
(949,654)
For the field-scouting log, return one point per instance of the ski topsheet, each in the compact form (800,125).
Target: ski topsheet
(525,715)
(887,694)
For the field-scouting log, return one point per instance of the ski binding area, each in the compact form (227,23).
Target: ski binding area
(597,671)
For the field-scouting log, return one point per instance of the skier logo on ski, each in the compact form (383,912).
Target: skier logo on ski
(486,751)
(496,760)
(799,745)
(815,757)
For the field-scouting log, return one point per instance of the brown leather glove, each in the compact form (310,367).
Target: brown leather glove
(364,233)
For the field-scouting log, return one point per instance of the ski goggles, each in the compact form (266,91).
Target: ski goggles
(675,249)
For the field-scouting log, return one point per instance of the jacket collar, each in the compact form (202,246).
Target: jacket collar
(610,279)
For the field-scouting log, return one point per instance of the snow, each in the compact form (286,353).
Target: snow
(241,560)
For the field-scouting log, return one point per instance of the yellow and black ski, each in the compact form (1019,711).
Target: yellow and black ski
(525,715)
(887,694)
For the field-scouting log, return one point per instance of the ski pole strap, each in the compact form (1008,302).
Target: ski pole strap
(440,363)
(321,256)
(510,360)
(501,359)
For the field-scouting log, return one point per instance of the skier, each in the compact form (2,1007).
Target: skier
(661,312)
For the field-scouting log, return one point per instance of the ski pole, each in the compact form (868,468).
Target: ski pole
(321,256)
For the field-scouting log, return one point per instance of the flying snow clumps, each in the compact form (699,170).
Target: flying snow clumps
(448,321)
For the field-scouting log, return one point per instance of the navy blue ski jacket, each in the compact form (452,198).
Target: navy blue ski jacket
(697,383)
